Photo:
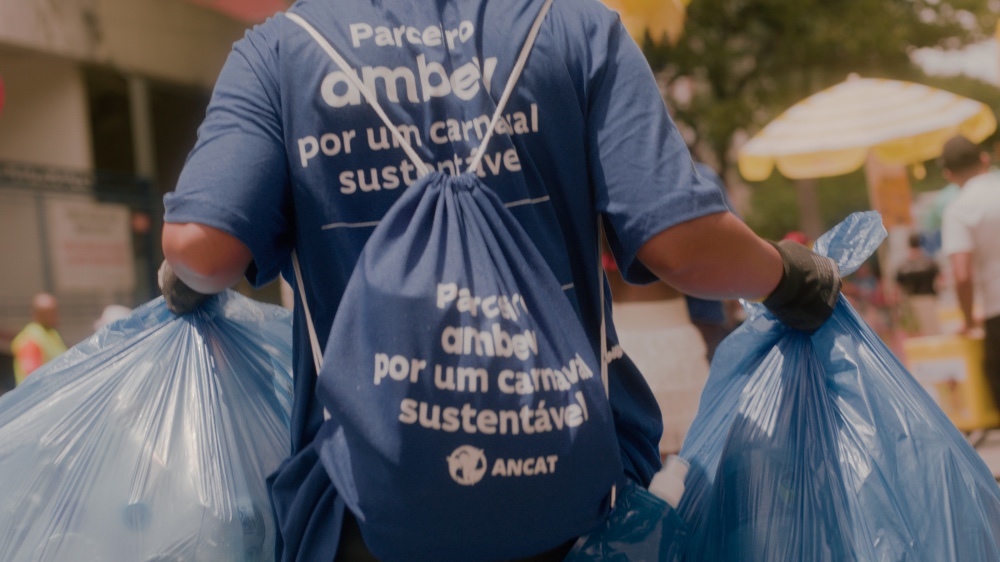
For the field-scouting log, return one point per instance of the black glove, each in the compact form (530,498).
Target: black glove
(180,298)
(808,290)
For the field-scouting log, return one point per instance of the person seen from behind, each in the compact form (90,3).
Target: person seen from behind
(289,154)
(970,237)
(39,342)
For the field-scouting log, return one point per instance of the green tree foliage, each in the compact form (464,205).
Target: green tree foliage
(746,61)
(774,209)
(751,59)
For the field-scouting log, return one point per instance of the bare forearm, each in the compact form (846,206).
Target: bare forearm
(714,257)
(207,259)
(964,293)
(961,266)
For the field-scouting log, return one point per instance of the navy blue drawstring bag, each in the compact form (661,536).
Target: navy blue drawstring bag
(823,447)
(463,430)
(468,418)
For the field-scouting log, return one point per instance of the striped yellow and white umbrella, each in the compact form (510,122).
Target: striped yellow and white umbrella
(833,132)
(661,18)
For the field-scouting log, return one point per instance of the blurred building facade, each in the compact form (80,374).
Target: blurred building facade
(99,105)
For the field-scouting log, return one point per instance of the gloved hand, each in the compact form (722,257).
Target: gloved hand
(180,298)
(808,290)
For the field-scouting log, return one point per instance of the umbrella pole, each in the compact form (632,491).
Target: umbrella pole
(810,222)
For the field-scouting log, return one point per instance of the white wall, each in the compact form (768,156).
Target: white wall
(44,119)
(55,27)
(165,39)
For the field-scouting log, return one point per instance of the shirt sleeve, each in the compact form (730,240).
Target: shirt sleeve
(644,178)
(236,178)
(29,357)
(956,235)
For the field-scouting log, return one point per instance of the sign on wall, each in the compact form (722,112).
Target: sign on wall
(90,245)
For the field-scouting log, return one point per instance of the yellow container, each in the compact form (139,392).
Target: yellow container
(951,369)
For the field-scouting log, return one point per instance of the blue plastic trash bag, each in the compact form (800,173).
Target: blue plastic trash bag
(823,447)
(151,440)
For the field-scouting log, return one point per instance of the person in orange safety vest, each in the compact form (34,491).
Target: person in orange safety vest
(38,342)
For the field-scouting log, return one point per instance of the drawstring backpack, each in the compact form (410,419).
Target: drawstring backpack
(467,413)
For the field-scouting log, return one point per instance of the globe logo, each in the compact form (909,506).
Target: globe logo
(467,465)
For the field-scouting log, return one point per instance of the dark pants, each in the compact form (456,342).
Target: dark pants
(352,548)
(713,334)
(991,359)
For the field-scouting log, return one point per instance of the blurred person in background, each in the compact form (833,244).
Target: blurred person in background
(39,342)
(865,291)
(111,313)
(917,279)
(970,235)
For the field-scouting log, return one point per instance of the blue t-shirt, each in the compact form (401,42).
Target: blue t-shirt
(290,156)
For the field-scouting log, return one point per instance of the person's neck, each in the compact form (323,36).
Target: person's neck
(972,175)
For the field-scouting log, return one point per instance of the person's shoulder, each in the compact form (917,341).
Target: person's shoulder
(588,18)
(978,191)
(965,210)
(265,37)
(965,197)
(30,330)
(584,8)
(988,183)
(952,215)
